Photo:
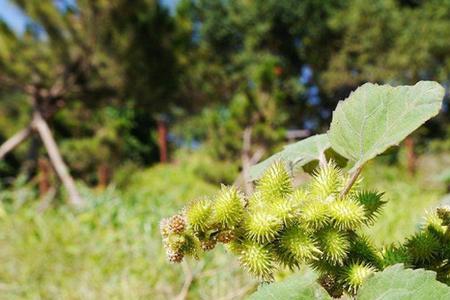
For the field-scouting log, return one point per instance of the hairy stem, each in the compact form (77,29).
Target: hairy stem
(189,277)
(322,159)
(351,181)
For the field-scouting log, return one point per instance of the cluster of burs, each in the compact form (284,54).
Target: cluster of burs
(318,225)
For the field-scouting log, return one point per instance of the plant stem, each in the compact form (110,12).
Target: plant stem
(351,181)
(322,159)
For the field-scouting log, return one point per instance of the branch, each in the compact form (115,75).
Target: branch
(14,141)
(11,83)
(351,181)
(187,282)
(257,156)
(55,157)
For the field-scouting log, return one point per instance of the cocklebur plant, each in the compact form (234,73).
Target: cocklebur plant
(321,224)
(279,226)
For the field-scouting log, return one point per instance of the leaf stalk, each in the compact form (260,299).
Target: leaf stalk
(351,181)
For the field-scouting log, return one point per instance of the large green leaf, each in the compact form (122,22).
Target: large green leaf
(398,283)
(295,155)
(376,117)
(295,287)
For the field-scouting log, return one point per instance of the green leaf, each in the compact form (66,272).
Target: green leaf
(375,117)
(295,287)
(398,283)
(295,155)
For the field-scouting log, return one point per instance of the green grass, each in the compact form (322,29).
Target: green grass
(408,198)
(112,250)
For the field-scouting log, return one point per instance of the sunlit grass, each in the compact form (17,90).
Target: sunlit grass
(408,198)
(113,249)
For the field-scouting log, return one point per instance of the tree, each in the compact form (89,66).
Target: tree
(83,54)
(388,42)
(243,62)
(46,64)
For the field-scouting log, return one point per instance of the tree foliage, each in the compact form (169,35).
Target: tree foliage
(215,68)
(73,60)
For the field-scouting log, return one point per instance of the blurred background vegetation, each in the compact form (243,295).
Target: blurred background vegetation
(154,103)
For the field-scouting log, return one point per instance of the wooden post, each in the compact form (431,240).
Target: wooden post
(162,140)
(44,173)
(103,176)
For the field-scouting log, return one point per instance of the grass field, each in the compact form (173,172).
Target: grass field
(112,250)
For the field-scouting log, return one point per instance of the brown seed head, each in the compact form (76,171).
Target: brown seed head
(177,223)
(208,244)
(174,256)
(225,236)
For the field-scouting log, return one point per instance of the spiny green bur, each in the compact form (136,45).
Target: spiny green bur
(278,226)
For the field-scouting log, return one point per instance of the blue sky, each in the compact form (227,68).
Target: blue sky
(17,20)
(12,15)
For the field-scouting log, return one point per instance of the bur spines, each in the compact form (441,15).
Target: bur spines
(285,211)
(262,226)
(257,259)
(314,214)
(423,247)
(362,249)
(346,214)
(256,202)
(434,224)
(298,245)
(298,197)
(228,207)
(275,182)
(355,275)
(198,214)
(234,247)
(324,266)
(285,258)
(372,202)
(395,254)
(327,180)
(334,244)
